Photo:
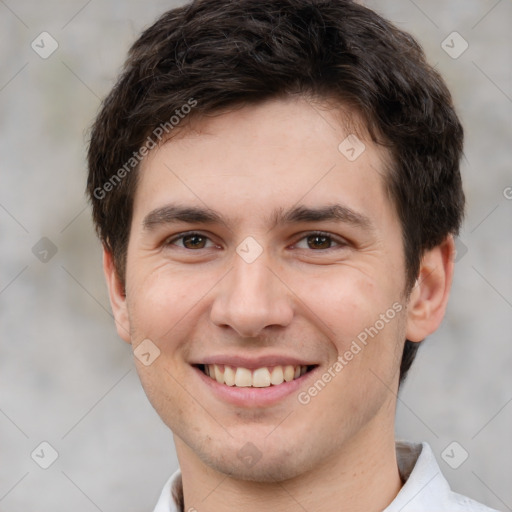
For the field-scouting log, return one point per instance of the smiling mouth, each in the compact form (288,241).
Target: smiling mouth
(263,377)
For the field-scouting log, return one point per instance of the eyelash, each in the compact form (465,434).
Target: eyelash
(341,243)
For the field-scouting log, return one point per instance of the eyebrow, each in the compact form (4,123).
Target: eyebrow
(172,213)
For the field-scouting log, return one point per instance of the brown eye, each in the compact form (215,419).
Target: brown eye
(319,242)
(190,241)
(194,241)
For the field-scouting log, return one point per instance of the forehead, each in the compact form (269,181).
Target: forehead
(259,159)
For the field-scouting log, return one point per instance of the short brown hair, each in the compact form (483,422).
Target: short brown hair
(212,54)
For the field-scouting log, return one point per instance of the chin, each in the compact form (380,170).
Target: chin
(265,470)
(270,463)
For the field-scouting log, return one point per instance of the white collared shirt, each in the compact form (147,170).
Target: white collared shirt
(425,488)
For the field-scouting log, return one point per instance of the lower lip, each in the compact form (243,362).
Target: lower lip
(253,397)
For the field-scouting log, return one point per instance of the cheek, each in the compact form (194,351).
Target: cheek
(159,300)
(347,302)
(365,320)
(160,383)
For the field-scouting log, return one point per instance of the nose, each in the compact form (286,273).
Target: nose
(252,297)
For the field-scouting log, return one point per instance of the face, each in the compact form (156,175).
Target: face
(265,266)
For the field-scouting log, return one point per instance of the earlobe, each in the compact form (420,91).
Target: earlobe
(429,297)
(117,296)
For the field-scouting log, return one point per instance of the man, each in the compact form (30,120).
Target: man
(276,185)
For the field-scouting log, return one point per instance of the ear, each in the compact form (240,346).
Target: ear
(117,296)
(429,297)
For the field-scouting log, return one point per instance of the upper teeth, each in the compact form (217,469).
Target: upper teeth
(258,378)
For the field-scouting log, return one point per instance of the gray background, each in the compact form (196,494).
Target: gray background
(65,377)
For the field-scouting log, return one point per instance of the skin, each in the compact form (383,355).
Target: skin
(299,298)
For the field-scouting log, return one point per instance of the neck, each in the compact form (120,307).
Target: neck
(362,476)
